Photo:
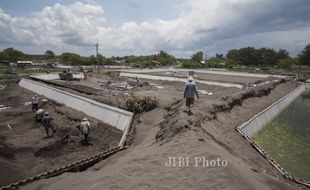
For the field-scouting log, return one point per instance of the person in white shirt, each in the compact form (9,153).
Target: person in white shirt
(85,130)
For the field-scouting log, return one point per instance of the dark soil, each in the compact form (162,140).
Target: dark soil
(25,150)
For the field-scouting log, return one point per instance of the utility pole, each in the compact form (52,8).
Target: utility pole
(97,46)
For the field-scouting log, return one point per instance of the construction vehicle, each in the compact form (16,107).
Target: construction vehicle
(66,75)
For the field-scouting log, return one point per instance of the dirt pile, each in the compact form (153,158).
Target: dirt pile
(138,105)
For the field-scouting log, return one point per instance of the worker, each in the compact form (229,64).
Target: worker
(35,102)
(47,123)
(137,79)
(190,91)
(39,115)
(85,130)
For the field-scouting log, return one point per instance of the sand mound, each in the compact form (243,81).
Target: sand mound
(138,105)
(143,164)
(177,120)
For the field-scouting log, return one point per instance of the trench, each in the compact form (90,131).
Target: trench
(116,117)
(281,134)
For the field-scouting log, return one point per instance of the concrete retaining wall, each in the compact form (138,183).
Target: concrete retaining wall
(114,116)
(55,76)
(154,77)
(308,83)
(256,123)
(206,71)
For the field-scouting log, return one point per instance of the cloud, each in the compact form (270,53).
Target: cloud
(211,26)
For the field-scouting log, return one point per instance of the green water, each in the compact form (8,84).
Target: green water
(287,138)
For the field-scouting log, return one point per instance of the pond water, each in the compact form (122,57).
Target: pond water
(287,138)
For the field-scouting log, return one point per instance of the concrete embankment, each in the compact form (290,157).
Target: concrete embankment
(206,71)
(111,115)
(259,121)
(154,77)
(256,123)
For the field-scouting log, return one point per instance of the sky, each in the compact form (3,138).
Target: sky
(141,27)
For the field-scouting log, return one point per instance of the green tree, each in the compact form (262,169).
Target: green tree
(285,63)
(49,54)
(164,58)
(219,55)
(215,61)
(304,56)
(283,54)
(267,56)
(250,56)
(12,54)
(190,64)
(197,56)
(71,58)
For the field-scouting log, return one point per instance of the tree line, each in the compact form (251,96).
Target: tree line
(247,56)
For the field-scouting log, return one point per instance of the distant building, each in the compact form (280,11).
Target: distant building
(155,63)
(24,63)
(221,65)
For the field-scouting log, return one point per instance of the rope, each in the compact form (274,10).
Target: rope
(262,152)
(76,166)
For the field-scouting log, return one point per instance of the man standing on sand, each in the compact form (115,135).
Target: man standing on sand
(35,102)
(85,130)
(190,91)
(47,123)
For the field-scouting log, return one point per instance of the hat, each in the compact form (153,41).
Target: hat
(190,79)
(46,113)
(84,119)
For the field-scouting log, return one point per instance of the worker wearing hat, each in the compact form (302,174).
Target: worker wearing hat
(85,130)
(190,91)
(35,102)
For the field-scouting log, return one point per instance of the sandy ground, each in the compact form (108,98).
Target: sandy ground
(142,165)
(166,92)
(103,89)
(25,150)
(211,77)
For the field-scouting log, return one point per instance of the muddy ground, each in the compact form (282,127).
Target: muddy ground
(168,131)
(25,150)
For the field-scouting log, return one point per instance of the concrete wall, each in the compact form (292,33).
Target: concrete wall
(206,71)
(55,76)
(114,116)
(307,83)
(154,77)
(256,123)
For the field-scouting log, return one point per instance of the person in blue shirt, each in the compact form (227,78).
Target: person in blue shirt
(190,91)
(47,123)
